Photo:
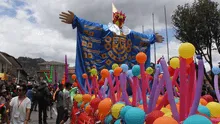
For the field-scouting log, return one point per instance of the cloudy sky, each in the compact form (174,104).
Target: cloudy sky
(32,27)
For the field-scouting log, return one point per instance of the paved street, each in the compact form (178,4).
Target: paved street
(34,117)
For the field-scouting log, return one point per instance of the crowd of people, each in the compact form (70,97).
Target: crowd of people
(17,102)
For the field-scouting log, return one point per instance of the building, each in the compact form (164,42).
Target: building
(58,71)
(71,71)
(11,69)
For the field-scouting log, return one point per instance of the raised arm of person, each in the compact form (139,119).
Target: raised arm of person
(83,26)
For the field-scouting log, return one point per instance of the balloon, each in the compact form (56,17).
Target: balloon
(124,110)
(114,66)
(153,116)
(175,63)
(117,71)
(129,73)
(93,72)
(124,67)
(86,98)
(215,70)
(189,60)
(123,81)
(108,119)
(203,102)
(115,110)
(197,119)
(78,97)
(204,110)
(141,57)
(118,121)
(104,73)
(198,88)
(208,98)
(150,70)
(186,50)
(88,109)
(216,87)
(165,120)
(104,106)
(85,76)
(169,88)
(165,110)
(79,104)
(134,116)
(214,108)
(136,70)
(111,71)
(73,76)
(94,103)
(171,70)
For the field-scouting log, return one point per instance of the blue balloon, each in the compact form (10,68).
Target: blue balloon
(176,100)
(118,121)
(111,71)
(136,70)
(129,73)
(216,70)
(159,67)
(197,119)
(79,104)
(108,119)
(124,110)
(204,110)
(124,67)
(134,116)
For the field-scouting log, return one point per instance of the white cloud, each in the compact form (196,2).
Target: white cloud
(6,4)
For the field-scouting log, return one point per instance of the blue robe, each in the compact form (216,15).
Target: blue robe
(99,47)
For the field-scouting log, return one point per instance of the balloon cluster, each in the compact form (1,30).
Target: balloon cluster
(167,101)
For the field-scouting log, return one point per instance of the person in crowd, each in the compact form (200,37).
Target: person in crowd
(43,94)
(34,98)
(51,102)
(67,104)
(58,97)
(29,94)
(20,106)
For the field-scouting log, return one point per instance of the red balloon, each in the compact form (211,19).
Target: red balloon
(153,116)
(94,103)
(171,70)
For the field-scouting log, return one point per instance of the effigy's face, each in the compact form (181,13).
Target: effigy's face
(119,19)
(119,45)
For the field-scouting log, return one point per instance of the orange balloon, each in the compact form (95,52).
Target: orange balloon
(203,101)
(88,109)
(73,76)
(189,60)
(85,76)
(141,57)
(160,98)
(117,71)
(165,120)
(141,107)
(75,84)
(104,73)
(87,98)
(105,106)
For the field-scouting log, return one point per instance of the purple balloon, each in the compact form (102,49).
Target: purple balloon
(139,91)
(123,80)
(157,92)
(198,88)
(153,90)
(169,88)
(216,87)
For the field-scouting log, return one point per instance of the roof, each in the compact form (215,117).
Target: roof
(12,60)
(52,63)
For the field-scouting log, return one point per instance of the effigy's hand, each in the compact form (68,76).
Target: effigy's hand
(159,38)
(67,17)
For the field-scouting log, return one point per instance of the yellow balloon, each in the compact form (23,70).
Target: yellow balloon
(214,109)
(168,114)
(175,63)
(115,110)
(186,50)
(114,66)
(93,96)
(165,110)
(130,99)
(93,71)
(78,97)
(150,70)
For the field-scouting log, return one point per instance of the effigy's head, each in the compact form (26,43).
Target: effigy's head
(119,18)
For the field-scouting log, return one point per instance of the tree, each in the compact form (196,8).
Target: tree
(199,24)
